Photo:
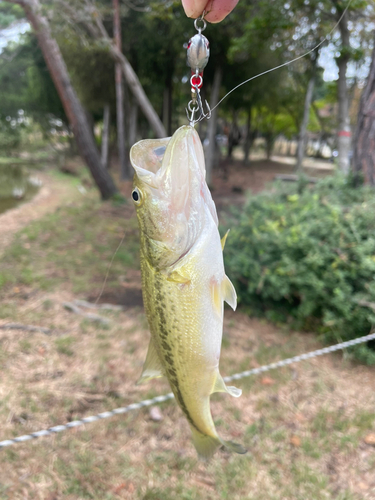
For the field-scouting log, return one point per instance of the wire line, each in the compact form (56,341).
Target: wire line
(166,397)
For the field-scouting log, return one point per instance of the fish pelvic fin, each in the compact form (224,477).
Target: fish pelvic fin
(206,445)
(152,367)
(220,386)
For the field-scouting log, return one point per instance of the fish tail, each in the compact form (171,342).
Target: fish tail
(207,445)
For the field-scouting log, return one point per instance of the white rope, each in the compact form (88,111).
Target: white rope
(166,397)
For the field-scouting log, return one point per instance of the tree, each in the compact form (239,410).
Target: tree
(68,96)
(344,132)
(364,141)
(91,18)
(121,144)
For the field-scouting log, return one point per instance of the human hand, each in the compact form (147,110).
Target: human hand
(216,10)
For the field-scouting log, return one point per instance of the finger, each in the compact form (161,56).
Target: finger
(194,8)
(217,10)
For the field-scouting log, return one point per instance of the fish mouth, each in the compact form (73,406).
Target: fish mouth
(146,157)
(174,166)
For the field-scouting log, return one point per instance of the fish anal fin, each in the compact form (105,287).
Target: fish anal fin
(152,367)
(229,293)
(224,239)
(220,386)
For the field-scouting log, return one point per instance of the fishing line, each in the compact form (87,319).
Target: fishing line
(222,99)
(287,63)
(109,268)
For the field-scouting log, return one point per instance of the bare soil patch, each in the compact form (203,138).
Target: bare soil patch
(51,195)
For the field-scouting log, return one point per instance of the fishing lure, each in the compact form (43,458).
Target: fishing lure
(198,53)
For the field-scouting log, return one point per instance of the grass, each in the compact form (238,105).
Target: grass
(304,425)
(73,245)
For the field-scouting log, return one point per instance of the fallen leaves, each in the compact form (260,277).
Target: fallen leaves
(123,486)
(370,439)
(156,414)
(295,441)
(267,381)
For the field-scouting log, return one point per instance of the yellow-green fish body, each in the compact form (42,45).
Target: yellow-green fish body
(183,280)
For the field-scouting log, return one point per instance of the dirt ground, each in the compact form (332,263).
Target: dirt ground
(51,195)
(309,427)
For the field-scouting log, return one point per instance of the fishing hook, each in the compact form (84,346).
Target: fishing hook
(196,105)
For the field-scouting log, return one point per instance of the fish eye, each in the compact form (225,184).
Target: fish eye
(137,196)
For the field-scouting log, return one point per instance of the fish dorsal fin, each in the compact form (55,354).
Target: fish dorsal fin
(220,386)
(152,367)
(224,291)
(224,239)
(229,293)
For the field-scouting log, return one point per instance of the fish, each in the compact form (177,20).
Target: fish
(184,284)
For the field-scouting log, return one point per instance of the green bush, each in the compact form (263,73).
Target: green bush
(307,255)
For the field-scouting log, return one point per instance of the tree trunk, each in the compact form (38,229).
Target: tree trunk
(248,141)
(69,99)
(133,120)
(270,140)
(344,133)
(167,106)
(364,140)
(105,135)
(121,146)
(212,124)
(305,121)
(233,132)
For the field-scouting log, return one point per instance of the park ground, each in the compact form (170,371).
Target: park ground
(309,427)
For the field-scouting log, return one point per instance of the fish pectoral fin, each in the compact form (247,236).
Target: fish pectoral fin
(179,277)
(152,367)
(217,298)
(224,239)
(220,386)
(229,293)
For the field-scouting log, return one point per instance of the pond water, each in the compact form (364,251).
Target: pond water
(18,183)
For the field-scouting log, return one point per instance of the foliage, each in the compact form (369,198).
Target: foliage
(308,254)
(9,136)
(9,14)
(26,85)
